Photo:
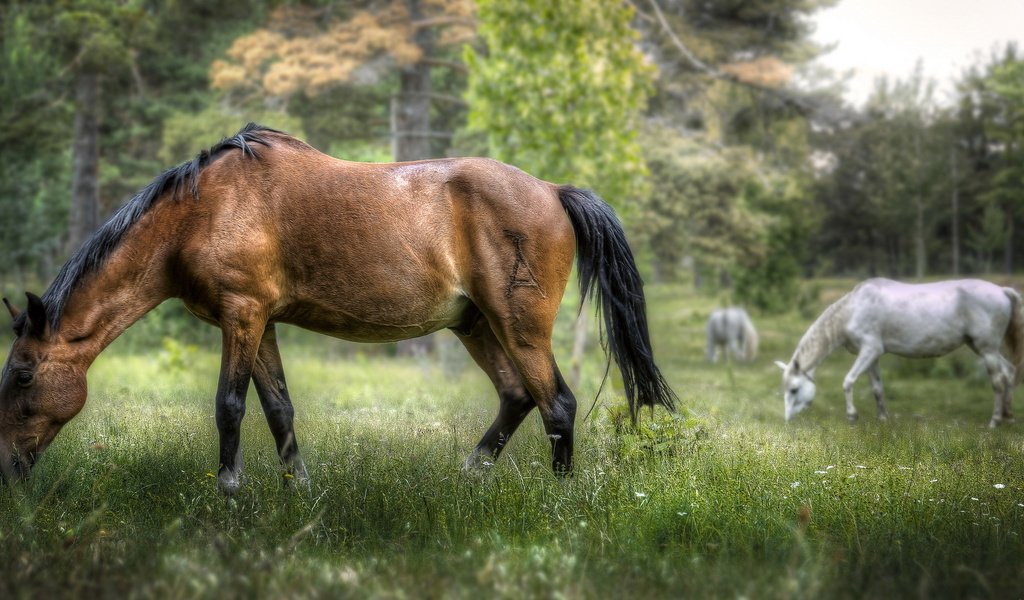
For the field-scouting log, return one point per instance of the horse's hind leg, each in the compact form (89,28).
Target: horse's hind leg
(268,377)
(529,349)
(515,401)
(1010,373)
(875,374)
(1001,374)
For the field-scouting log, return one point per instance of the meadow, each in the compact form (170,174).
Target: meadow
(722,499)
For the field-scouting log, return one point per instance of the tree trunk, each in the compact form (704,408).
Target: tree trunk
(410,131)
(1008,248)
(956,215)
(579,345)
(84,216)
(920,260)
(410,109)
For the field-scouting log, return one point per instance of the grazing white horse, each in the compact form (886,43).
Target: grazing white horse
(731,330)
(919,321)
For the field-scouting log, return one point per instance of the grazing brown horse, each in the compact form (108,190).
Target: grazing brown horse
(263,229)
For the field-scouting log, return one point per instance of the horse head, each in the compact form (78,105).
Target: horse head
(41,389)
(797,388)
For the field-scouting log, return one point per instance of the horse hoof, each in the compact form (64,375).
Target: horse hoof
(477,464)
(296,474)
(227,483)
(299,480)
(852,418)
(993,423)
(883,417)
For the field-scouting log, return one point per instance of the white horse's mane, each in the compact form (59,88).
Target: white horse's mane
(823,336)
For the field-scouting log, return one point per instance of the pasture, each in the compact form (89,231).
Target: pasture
(721,500)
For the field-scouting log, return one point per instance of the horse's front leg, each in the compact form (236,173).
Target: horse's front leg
(865,359)
(240,332)
(875,373)
(268,377)
(711,351)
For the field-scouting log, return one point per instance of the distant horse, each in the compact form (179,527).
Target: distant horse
(732,331)
(918,321)
(263,229)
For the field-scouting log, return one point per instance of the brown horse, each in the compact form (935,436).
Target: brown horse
(264,229)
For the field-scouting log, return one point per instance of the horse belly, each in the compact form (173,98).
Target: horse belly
(925,344)
(383,320)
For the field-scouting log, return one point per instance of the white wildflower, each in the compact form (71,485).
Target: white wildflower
(999,486)
(795,484)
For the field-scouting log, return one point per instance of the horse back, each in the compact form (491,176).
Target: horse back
(368,251)
(928,319)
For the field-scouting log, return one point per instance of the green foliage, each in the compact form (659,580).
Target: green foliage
(186,133)
(559,91)
(175,356)
(96,36)
(654,433)
(34,162)
(729,213)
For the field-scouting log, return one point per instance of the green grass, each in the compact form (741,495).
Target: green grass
(725,500)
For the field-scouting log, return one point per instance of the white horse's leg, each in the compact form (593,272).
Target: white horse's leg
(875,373)
(735,350)
(864,361)
(1001,384)
(1010,373)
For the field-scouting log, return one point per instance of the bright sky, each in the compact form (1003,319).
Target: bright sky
(876,37)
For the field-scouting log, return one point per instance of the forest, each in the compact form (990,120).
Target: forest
(733,160)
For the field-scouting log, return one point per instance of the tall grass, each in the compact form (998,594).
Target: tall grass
(723,500)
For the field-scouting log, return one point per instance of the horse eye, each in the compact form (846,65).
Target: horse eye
(794,390)
(24,378)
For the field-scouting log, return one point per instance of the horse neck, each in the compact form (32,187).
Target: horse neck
(824,337)
(132,282)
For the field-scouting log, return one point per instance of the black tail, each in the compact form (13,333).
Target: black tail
(608,274)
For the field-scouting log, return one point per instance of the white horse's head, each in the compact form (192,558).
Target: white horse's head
(797,388)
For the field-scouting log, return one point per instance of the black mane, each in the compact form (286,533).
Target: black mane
(98,248)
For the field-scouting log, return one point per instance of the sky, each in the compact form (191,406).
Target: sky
(876,37)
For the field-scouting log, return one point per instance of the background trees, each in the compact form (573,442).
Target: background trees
(732,161)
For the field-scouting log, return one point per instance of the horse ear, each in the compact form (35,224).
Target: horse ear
(780,365)
(38,323)
(12,309)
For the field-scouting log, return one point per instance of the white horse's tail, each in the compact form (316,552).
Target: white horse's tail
(1014,337)
(749,339)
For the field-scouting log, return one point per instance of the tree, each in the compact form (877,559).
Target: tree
(731,81)
(305,52)
(888,191)
(1006,130)
(559,91)
(93,40)
(33,166)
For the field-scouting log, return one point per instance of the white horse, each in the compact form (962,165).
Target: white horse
(731,330)
(919,321)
